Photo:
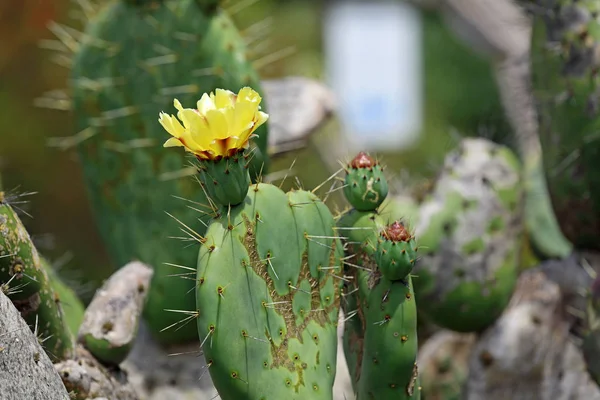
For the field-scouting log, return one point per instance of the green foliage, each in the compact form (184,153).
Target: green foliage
(129,67)
(269,290)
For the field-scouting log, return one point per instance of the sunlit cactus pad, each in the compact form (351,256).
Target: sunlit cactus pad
(269,285)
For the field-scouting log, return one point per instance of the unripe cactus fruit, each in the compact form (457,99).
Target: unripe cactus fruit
(396,252)
(365,185)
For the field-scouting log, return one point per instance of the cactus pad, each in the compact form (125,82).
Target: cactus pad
(269,290)
(26,282)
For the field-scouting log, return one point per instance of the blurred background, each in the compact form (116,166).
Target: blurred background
(406,79)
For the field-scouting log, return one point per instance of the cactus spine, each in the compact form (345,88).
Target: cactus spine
(380,338)
(134,57)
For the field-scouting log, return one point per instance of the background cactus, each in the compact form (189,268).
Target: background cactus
(24,278)
(470,230)
(134,58)
(564,67)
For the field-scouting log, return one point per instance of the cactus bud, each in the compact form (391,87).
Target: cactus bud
(396,252)
(365,185)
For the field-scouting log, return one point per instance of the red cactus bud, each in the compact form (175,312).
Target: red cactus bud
(396,232)
(362,160)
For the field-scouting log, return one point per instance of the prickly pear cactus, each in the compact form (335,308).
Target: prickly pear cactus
(470,230)
(25,281)
(269,290)
(269,268)
(133,58)
(564,68)
(380,338)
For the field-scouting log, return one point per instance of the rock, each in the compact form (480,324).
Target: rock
(26,372)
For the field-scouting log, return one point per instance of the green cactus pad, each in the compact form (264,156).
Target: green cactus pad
(25,280)
(396,252)
(389,369)
(470,232)
(365,186)
(269,290)
(226,180)
(131,64)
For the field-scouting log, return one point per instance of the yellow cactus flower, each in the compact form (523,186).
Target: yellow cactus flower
(222,124)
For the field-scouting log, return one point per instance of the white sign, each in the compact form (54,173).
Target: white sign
(374,66)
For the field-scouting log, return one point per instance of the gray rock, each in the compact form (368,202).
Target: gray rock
(26,372)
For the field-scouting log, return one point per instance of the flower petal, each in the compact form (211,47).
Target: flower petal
(171,124)
(192,120)
(173,142)
(248,95)
(243,116)
(217,123)
(224,98)
(205,103)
